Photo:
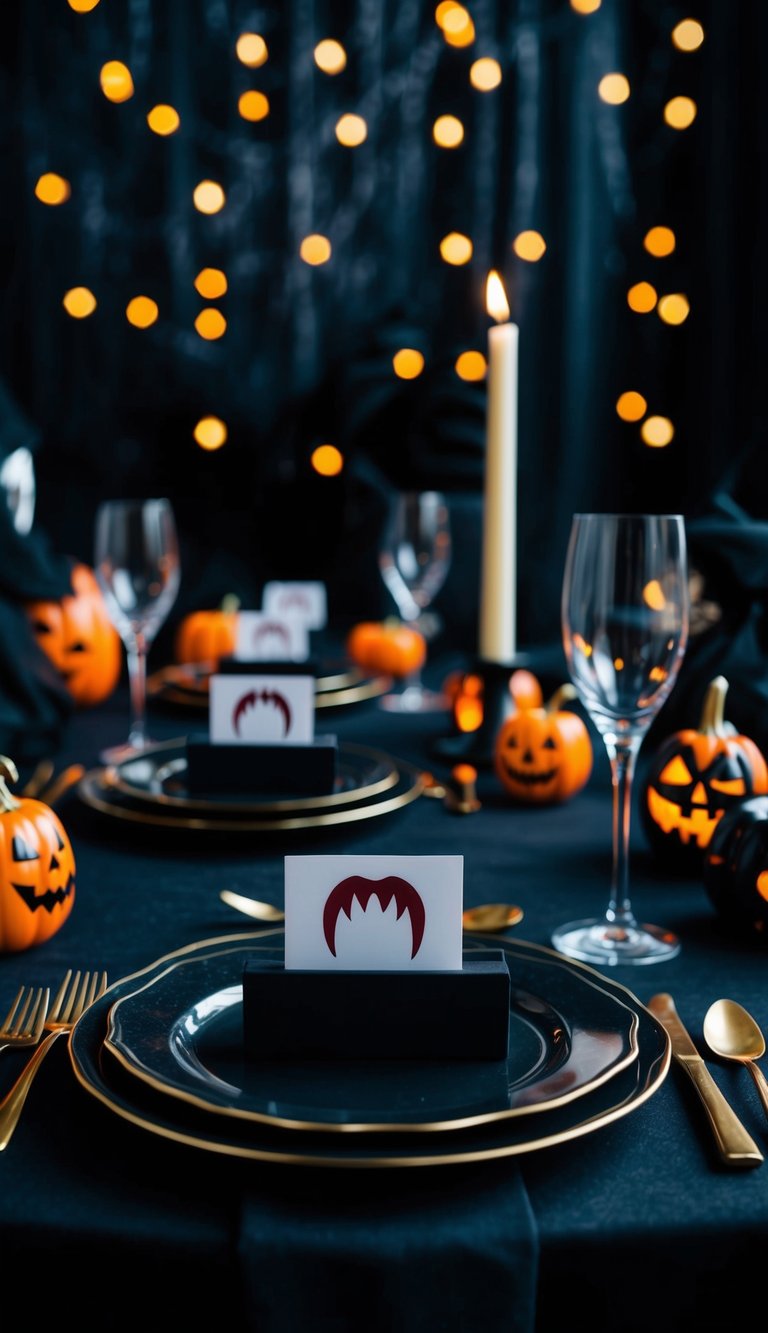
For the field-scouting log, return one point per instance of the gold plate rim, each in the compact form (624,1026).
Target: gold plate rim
(350,687)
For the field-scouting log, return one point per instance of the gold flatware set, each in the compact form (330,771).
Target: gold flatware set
(43,786)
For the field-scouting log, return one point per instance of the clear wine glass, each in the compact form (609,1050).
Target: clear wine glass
(137,567)
(625,630)
(414,559)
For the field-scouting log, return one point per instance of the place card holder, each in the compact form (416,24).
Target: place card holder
(292,770)
(296,1014)
(235,666)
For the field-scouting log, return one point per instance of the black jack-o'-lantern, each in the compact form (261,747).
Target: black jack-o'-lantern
(694,778)
(736,868)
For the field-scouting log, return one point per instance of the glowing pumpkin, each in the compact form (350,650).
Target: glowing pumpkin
(544,755)
(464,692)
(694,778)
(736,867)
(37,875)
(80,639)
(207,636)
(388,646)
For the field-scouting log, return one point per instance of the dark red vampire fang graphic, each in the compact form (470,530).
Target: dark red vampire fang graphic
(294,599)
(254,699)
(406,898)
(271,627)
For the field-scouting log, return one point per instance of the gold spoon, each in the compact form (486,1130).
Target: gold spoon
(489,918)
(733,1034)
(252,906)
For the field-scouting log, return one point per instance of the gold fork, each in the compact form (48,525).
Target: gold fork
(23,1024)
(72,999)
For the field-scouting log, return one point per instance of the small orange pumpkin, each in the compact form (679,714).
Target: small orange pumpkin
(544,755)
(80,639)
(37,881)
(206,636)
(388,646)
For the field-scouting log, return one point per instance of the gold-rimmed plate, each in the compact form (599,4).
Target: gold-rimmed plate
(338,686)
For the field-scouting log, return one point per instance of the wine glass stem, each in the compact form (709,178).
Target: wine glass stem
(622,754)
(137,676)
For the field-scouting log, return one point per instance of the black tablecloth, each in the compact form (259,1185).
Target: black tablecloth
(633,1227)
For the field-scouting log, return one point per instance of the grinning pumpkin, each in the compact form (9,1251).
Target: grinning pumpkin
(694,778)
(736,867)
(464,692)
(388,646)
(80,639)
(37,880)
(544,755)
(207,636)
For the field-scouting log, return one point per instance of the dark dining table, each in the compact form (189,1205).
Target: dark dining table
(636,1226)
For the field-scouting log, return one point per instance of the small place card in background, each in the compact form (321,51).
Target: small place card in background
(306,601)
(262,710)
(267,637)
(374,913)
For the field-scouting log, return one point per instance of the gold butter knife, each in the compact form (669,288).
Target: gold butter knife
(736,1147)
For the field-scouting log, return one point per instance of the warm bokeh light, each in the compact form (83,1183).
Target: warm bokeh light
(141,312)
(408,363)
(468,712)
(471,366)
(485,74)
(351,130)
(631,406)
(116,82)
(762,884)
(253,105)
(327,460)
(642,297)
(251,49)
(82,6)
(680,112)
(657,431)
(211,324)
(209,197)
(163,119)
(688,35)
(586,6)
(210,433)
(496,302)
(674,308)
(456,248)
(659,242)
(443,9)
(614,89)
(52,189)
(653,595)
(447,132)
(315,249)
(465,774)
(580,643)
(529,245)
(457,26)
(211,283)
(618,663)
(79,302)
(330,56)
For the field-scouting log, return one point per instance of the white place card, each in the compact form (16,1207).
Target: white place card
(307,601)
(261,710)
(267,637)
(374,913)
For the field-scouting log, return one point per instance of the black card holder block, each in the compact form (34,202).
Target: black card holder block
(292,770)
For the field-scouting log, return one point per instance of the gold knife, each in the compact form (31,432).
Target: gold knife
(734,1144)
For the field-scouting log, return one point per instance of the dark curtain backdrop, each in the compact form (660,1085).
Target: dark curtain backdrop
(307,353)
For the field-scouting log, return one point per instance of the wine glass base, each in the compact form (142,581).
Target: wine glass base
(607,944)
(415,700)
(117,754)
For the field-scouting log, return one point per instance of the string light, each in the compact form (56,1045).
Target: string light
(79,302)
(209,197)
(315,249)
(52,189)
(680,112)
(141,312)
(211,283)
(586,6)
(657,431)
(330,56)
(408,363)
(82,6)
(688,35)
(251,49)
(163,119)
(253,105)
(448,132)
(327,460)
(485,74)
(210,433)
(614,89)
(642,298)
(443,9)
(457,26)
(674,308)
(211,324)
(631,406)
(456,248)
(529,245)
(660,241)
(351,131)
(116,82)
(471,366)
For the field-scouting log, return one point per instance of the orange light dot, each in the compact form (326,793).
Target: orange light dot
(83,6)
(327,460)
(210,433)
(443,9)
(657,431)
(653,595)
(618,663)
(642,297)
(447,132)
(457,26)
(613,89)
(468,712)
(659,242)
(141,312)
(762,884)
(680,112)
(251,49)
(464,773)
(79,302)
(408,363)
(456,248)
(485,74)
(211,324)
(315,249)
(52,189)
(674,308)
(529,245)
(163,119)
(116,82)
(586,6)
(351,131)
(209,197)
(471,366)
(631,406)
(688,35)
(330,56)
(211,283)
(253,105)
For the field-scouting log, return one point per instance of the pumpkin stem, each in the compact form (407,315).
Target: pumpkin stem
(230,603)
(713,711)
(561,696)
(8,771)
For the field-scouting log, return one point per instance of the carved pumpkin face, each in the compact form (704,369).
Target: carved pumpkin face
(80,639)
(37,870)
(736,867)
(543,755)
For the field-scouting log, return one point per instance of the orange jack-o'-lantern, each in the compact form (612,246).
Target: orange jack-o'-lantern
(544,755)
(80,639)
(736,867)
(37,881)
(694,777)
(207,636)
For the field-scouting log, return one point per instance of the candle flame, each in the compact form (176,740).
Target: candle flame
(496,301)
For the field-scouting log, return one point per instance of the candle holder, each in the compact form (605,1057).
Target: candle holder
(477,747)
